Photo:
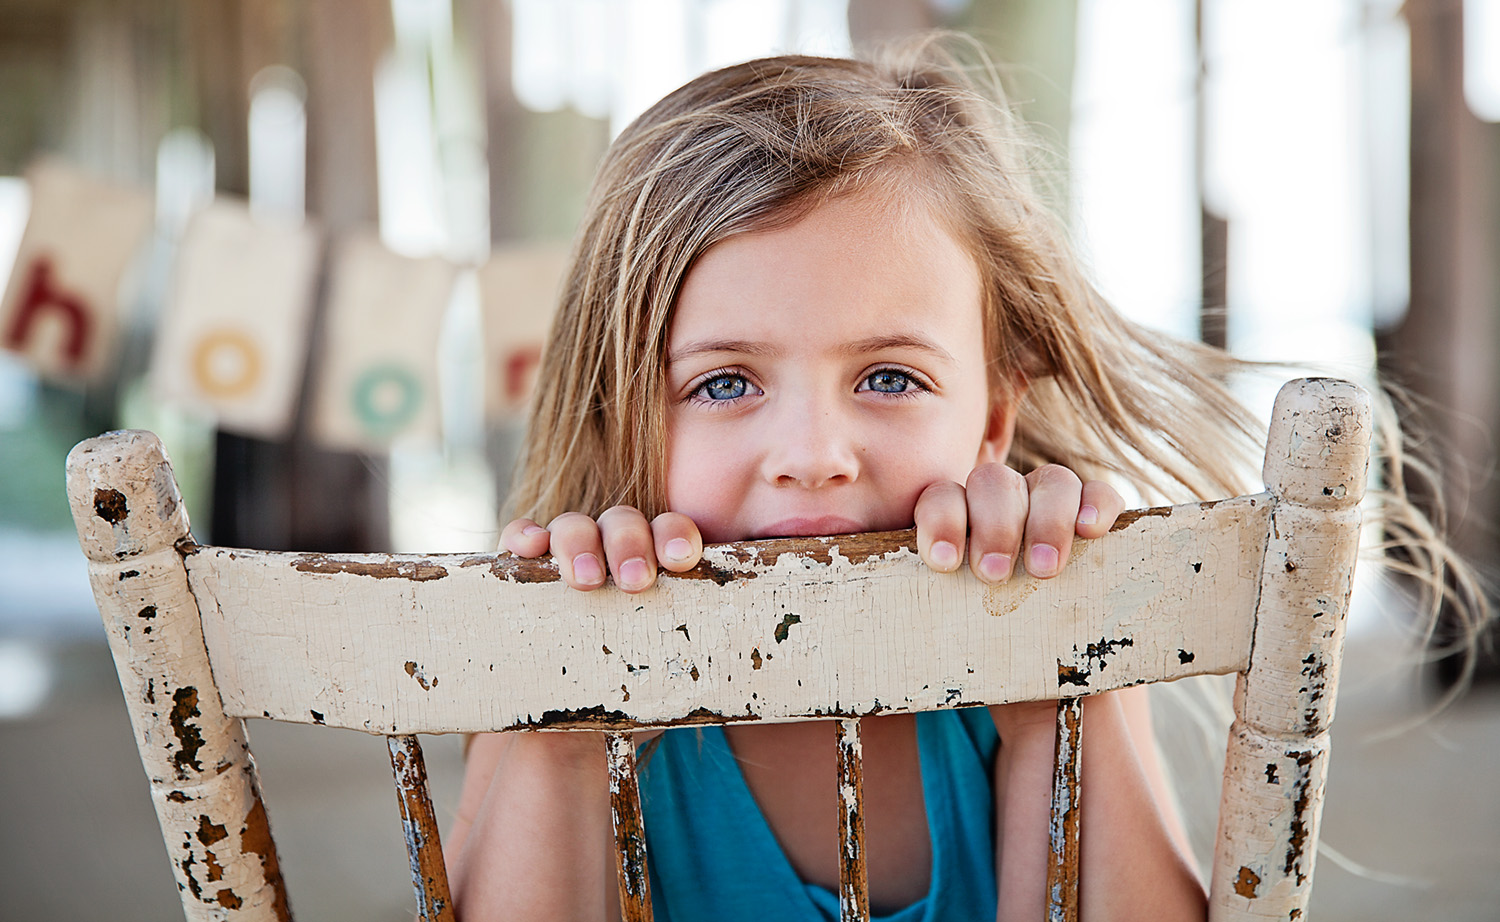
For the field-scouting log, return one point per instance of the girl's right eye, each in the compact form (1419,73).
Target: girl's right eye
(724,386)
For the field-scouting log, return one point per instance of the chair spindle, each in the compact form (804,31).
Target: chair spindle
(1062,867)
(424,848)
(630,829)
(854,891)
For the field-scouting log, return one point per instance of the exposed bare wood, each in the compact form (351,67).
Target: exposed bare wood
(424,847)
(630,829)
(854,884)
(1317,461)
(1062,868)
(764,630)
(129,516)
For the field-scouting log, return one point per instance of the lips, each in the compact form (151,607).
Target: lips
(805,526)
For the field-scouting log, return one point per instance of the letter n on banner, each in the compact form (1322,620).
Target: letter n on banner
(233,338)
(519,288)
(378,372)
(61,308)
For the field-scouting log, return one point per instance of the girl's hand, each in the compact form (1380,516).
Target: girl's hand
(1005,514)
(621,540)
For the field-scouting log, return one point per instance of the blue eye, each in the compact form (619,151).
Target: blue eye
(889,381)
(724,387)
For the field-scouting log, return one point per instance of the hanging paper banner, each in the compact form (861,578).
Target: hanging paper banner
(377,373)
(233,339)
(519,288)
(61,308)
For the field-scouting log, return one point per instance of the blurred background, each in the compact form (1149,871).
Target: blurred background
(314,247)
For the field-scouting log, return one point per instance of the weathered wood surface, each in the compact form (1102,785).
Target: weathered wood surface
(1317,463)
(763,630)
(631,865)
(854,878)
(1063,828)
(419,825)
(129,516)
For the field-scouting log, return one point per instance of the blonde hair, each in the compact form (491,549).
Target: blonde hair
(759,144)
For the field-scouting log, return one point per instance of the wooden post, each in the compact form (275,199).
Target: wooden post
(854,889)
(424,847)
(630,829)
(1317,460)
(130,519)
(1063,828)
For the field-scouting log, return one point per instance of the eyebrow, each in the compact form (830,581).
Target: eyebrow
(858,347)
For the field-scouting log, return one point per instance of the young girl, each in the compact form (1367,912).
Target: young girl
(815,297)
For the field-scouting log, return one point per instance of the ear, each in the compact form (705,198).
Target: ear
(1001,426)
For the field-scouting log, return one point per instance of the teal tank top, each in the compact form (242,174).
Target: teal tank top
(714,858)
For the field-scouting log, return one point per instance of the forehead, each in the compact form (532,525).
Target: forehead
(876,261)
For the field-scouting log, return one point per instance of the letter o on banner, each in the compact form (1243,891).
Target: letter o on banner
(386,398)
(226,364)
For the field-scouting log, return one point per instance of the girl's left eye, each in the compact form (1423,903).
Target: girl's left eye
(724,386)
(891,381)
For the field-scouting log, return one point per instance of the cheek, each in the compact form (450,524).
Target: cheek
(701,472)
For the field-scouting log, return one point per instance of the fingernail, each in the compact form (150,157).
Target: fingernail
(1088,515)
(944,556)
(586,569)
(994,568)
(1041,560)
(633,574)
(678,549)
(530,530)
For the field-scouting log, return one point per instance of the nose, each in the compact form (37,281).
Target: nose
(811,445)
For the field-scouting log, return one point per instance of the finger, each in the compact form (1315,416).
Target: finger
(628,547)
(525,538)
(1101,506)
(1055,493)
(578,550)
(942,519)
(678,543)
(998,503)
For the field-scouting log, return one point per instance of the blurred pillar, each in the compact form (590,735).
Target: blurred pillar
(1444,349)
(293,494)
(1034,42)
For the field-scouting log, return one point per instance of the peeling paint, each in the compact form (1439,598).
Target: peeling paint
(755,660)
(317,716)
(784,628)
(415,671)
(683,628)
(147,613)
(1072,675)
(110,506)
(414,570)
(255,838)
(189,736)
(210,832)
(1301,820)
(1246,883)
(1184,657)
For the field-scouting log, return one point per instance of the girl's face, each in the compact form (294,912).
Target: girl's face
(821,375)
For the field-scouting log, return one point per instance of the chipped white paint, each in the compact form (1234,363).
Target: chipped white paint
(450,646)
(1316,467)
(460,643)
(854,877)
(129,516)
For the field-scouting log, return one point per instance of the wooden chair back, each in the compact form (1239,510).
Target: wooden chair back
(830,628)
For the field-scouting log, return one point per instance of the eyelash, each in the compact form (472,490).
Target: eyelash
(917,384)
(696,393)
